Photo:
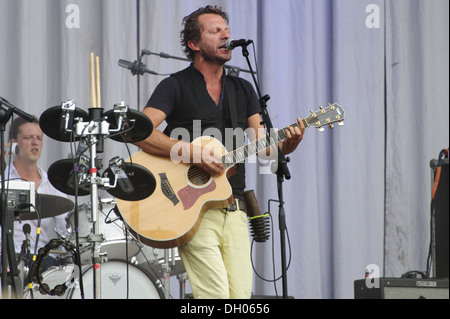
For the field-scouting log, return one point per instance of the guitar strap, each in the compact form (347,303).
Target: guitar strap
(231,94)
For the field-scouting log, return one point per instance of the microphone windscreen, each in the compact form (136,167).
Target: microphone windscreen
(26,229)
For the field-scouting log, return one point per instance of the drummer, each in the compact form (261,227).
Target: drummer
(29,139)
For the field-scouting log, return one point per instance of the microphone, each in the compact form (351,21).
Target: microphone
(136,68)
(259,224)
(231,44)
(6,106)
(27,230)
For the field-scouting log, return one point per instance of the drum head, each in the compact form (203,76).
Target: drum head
(49,123)
(140,130)
(115,284)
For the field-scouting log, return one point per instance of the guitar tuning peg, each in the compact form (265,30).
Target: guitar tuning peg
(331,126)
(321,129)
(341,123)
(320,107)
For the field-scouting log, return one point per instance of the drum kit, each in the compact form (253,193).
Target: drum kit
(104,260)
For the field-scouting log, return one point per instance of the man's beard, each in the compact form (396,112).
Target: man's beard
(213,58)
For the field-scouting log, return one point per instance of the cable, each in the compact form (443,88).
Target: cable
(33,259)
(442,154)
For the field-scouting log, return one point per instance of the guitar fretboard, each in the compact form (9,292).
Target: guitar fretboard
(240,154)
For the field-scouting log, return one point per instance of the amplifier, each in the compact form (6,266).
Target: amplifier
(401,288)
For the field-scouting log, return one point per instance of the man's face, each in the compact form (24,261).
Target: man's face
(29,140)
(214,32)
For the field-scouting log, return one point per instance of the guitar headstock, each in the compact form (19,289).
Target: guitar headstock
(326,116)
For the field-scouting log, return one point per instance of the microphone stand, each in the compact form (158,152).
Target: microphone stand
(282,172)
(230,68)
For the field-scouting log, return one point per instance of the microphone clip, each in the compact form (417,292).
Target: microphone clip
(122,118)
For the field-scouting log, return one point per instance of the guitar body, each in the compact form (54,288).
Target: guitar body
(171,215)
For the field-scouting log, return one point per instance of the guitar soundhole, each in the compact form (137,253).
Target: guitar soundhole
(198,176)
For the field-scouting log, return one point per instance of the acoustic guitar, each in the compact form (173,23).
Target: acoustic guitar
(171,215)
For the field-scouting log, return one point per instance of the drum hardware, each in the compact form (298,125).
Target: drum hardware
(166,268)
(182,280)
(55,130)
(80,176)
(115,241)
(132,125)
(153,260)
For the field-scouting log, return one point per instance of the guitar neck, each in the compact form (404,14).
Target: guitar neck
(240,154)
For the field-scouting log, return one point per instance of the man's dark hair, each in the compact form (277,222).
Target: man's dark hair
(16,124)
(192,29)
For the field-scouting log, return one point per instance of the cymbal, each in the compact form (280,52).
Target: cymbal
(60,175)
(49,206)
(49,123)
(142,128)
(138,184)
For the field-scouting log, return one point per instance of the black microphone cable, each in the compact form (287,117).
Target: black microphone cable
(275,278)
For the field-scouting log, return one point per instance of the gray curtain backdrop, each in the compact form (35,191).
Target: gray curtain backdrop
(359,194)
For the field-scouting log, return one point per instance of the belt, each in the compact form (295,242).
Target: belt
(237,204)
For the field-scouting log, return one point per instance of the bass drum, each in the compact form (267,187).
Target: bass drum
(115,284)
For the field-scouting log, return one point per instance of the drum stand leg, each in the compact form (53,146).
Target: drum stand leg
(182,279)
(166,274)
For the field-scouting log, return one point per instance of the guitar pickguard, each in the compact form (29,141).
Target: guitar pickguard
(189,195)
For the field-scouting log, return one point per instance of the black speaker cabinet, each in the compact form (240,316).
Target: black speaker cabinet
(402,288)
(439,220)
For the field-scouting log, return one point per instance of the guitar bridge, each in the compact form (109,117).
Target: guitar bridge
(167,189)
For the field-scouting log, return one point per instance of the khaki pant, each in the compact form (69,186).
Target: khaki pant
(217,259)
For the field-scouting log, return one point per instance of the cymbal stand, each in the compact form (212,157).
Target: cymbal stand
(95,130)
